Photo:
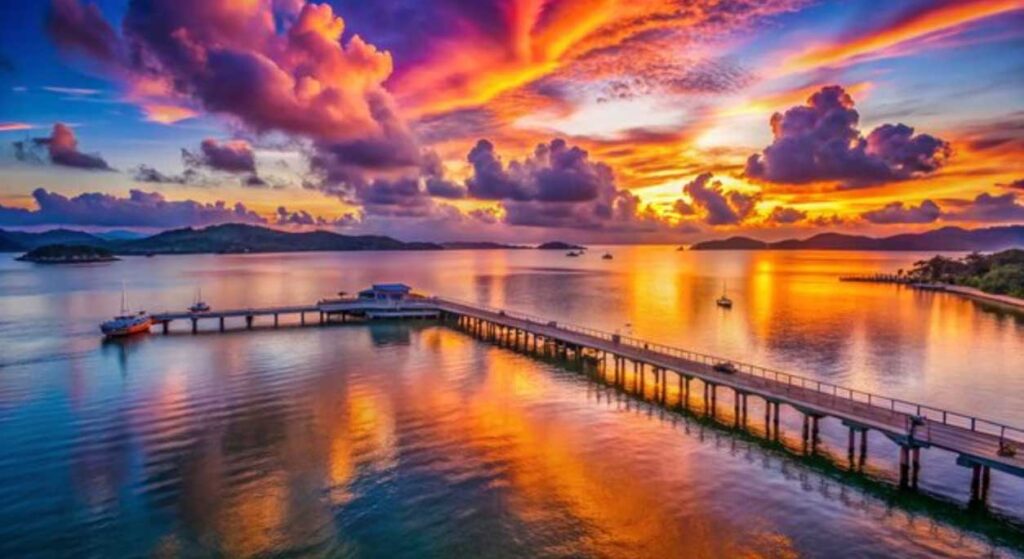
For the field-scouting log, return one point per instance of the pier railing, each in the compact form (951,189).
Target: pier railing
(895,405)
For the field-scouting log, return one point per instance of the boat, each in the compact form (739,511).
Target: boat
(724,301)
(199,305)
(126,323)
(607,256)
(573,253)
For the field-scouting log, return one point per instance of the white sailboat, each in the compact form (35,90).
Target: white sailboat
(199,305)
(724,301)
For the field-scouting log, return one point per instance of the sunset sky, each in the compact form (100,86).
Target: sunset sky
(514,120)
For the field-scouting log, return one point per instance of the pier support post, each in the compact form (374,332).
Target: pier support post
(767,419)
(915,466)
(302,318)
(904,465)
(248,322)
(167,326)
(806,431)
(682,403)
(275,320)
(986,479)
(744,410)
(976,483)
(195,325)
(222,324)
(736,407)
(775,420)
(814,432)
(851,446)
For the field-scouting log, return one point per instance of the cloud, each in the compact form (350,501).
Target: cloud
(782,215)
(896,212)
(820,142)
(81,28)
(269,66)
(61,146)
(231,156)
(14,126)
(556,186)
(1018,184)
(718,206)
(916,22)
(556,172)
(139,209)
(146,173)
(988,208)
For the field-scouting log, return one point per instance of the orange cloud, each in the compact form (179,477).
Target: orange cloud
(933,19)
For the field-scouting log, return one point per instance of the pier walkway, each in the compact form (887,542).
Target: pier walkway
(978,443)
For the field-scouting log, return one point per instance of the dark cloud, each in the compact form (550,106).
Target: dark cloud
(230,156)
(81,28)
(61,147)
(896,212)
(782,215)
(556,186)
(139,209)
(820,142)
(1017,184)
(146,173)
(718,206)
(404,197)
(490,181)
(556,172)
(988,208)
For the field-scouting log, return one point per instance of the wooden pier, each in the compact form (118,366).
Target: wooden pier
(979,444)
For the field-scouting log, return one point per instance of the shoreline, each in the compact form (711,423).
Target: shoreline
(979,295)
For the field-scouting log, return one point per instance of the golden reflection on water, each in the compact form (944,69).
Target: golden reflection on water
(266,441)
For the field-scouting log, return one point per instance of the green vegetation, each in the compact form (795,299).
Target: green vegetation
(67,254)
(1001,273)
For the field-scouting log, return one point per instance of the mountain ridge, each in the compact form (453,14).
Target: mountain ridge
(942,239)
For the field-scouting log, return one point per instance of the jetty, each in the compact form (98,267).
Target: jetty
(979,444)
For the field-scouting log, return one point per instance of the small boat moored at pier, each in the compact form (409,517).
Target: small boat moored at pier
(126,323)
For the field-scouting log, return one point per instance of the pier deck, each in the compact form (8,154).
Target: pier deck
(976,440)
(978,443)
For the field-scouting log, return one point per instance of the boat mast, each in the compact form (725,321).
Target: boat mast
(124,299)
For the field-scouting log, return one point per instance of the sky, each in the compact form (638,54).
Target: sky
(640,121)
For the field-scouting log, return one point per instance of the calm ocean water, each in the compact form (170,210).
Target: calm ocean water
(414,440)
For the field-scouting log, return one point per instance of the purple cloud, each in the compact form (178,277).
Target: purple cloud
(896,212)
(230,156)
(988,208)
(785,215)
(820,142)
(139,209)
(719,207)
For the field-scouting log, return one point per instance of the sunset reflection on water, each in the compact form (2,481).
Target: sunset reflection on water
(414,439)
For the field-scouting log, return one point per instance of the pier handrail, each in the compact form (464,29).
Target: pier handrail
(895,405)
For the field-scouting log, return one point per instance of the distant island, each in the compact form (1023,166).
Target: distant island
(559,245)
(235,238)
(944,239)
(480,245)
(67,254)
